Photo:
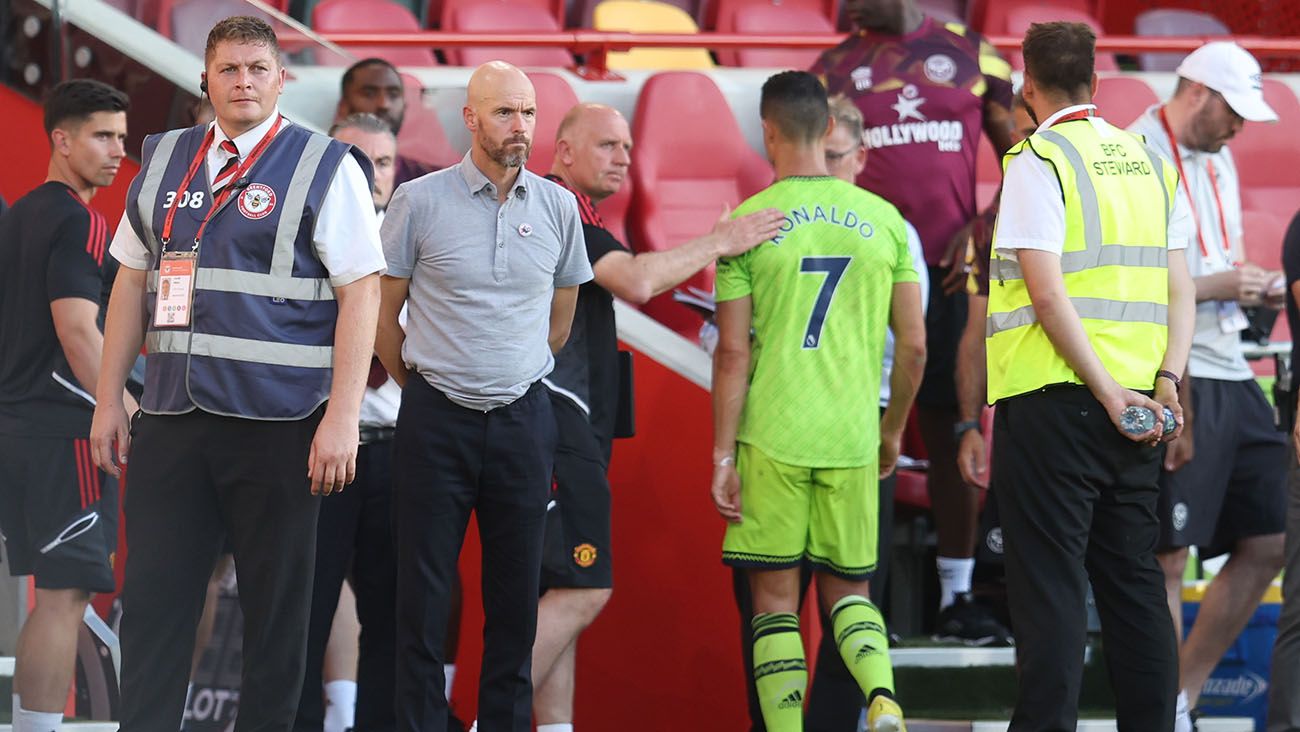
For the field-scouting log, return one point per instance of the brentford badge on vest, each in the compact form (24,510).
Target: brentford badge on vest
(257,201)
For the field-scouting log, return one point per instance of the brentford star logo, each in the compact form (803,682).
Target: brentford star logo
(909,104)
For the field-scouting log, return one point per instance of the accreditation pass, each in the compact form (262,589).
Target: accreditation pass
(175,290)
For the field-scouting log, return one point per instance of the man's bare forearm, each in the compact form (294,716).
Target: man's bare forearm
(730,385)
(390,336)
(354,343)
(1182,314)
(972,370)
(123,336)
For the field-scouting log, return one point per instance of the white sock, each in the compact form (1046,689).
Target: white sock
(558,727)
(340,705)
(954,578)
(449,671)
(25,721)
(1182,717)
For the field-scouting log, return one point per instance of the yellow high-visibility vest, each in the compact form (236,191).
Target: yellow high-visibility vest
(1118,198)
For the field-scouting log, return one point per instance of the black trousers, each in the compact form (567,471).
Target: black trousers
(1077,501)
(194,479)
(356,534)
(450,461)
(835,700)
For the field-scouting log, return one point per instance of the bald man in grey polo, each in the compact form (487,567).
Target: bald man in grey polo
(490,284)
(478,318)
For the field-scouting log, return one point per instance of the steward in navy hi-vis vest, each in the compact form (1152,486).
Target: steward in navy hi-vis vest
(260,340)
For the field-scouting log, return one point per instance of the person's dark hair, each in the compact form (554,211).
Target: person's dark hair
(795,101)
(243,29)
(363,121)
(77,99)
(362,64)
(1059,56)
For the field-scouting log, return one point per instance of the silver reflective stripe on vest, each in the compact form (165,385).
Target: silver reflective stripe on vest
(148,199)
(1109,255)
(1090,308)
(239,349)
(256,283)
(295,199)
(1159,166)
(1089,208)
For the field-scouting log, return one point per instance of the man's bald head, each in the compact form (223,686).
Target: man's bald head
(500,112)
(592,150)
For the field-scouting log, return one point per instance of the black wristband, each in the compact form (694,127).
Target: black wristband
(1171,376)
(962,428)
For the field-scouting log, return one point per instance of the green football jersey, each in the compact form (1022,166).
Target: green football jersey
(821,293)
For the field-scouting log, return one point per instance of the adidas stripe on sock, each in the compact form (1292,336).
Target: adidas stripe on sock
(780,670)
(860,635)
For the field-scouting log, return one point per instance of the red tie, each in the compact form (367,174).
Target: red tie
(227,172)
(377,375)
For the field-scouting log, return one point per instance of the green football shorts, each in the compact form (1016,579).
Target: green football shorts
(790,513)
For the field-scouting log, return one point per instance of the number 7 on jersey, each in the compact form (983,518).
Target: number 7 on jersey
(833,268)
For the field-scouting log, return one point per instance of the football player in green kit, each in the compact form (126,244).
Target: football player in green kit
(798,450)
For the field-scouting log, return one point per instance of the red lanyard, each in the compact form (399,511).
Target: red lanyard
(1072,116)
(1214,186)
(221,197)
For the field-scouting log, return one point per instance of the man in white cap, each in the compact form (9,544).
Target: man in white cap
(1223,489)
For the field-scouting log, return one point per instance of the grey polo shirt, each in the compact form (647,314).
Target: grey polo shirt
(482,278)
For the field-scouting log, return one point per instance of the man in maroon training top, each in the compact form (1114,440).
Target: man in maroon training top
(926,88)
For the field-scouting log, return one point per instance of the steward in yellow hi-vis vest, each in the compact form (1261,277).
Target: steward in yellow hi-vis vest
(1114,261)
(1090,314)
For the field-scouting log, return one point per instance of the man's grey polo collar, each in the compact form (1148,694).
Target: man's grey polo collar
(476,181)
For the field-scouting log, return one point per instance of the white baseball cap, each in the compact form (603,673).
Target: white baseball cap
(1231,71)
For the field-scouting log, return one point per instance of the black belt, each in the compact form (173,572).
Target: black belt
(377,434)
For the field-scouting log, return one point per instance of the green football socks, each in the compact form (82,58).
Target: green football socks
(780,670)
(864,646)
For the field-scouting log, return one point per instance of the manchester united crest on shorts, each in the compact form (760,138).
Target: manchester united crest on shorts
(257,201)
(584,555)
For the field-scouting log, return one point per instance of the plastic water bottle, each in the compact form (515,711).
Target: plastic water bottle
(1137,420)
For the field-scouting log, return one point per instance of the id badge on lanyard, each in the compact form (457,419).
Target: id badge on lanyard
(175,296)
(174,301)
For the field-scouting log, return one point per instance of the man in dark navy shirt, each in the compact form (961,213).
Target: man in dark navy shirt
(591,160)
(58,513)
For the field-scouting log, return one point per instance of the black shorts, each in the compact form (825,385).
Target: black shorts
(58,513)
(576,553)
(1235,486)
(945,319)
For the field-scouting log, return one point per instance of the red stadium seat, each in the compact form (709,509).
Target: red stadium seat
(1173,22)
(441,12)
(990,16)
(765,18)
(1264,232)
(1122,99)
(371,15)
(502,17)
(422,137)
(720,15)
(554,99)
(187,22)
(1020,18)
(1268,159)
(690,159)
